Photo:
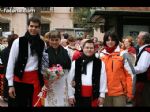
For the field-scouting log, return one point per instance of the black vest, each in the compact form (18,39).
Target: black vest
(143,77)
(61,57)
(95,78)
(22,59)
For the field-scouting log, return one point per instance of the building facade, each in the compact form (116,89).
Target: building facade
(15,19)
(123,20)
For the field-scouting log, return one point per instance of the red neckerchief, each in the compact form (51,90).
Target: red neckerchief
(110,49)
(132,50)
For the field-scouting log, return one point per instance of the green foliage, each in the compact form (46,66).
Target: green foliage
(80,16)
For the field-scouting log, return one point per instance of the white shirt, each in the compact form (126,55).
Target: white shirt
(144,61)
(32,62)
(70,52)
(87,79)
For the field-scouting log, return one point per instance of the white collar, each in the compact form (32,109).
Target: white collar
(142,47)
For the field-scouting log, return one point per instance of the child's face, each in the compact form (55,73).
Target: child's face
(4,41)
(88,49)
(55,42)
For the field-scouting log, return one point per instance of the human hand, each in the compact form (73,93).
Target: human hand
(100,101)
(73,83)
(71,101)
(11,92)
(129,99)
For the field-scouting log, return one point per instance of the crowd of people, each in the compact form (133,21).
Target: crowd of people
(108,73)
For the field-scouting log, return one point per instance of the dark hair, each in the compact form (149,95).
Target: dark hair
(71,39)
(65,35)
(113,36)
(88,41)
(79,38)
(35,20)
(54,34)
(11,38)
(2,38)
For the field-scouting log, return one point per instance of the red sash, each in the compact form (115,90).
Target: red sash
(31,78)
(86,91)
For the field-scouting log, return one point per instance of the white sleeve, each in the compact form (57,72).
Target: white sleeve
(69,52)
(11,62)
(127,66)
(143,63)
(103,81)
(45,61)
(70,77)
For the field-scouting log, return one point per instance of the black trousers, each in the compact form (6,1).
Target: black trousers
(11,102)
(5,88)
(83,102)
(24,93)
(142,96)
(146,95)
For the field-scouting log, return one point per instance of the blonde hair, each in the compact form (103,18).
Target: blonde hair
(130,39)
(46,36)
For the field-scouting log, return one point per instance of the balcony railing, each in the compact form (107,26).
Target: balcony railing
(97,9)
(47,9)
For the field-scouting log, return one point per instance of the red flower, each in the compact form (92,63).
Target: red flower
(44,94)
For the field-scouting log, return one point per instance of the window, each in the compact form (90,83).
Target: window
(47,8)
(44,28)
(4,26)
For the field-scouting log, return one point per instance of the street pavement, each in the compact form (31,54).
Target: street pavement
(5,104)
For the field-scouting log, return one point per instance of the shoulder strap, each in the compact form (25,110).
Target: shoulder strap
(125,56)
(138,56)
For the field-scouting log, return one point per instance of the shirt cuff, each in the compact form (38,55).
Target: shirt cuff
(71,96)
(102,95)
(10,83)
